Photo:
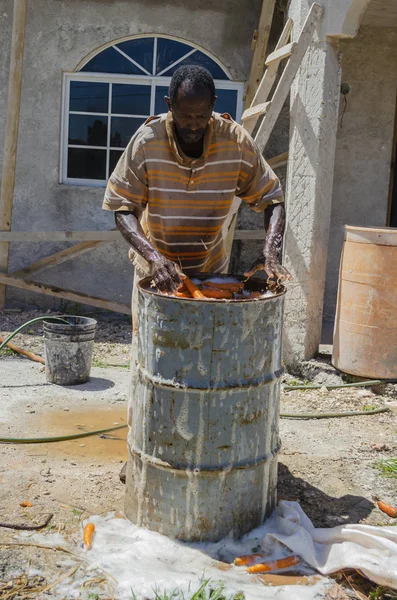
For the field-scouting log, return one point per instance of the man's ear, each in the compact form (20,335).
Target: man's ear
(168,102)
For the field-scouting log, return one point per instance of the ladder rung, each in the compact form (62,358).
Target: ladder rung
(280,54)
(255,111)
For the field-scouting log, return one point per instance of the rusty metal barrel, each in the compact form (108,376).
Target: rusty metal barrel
(365,333)
(204,431)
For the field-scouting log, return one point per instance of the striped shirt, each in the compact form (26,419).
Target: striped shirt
(186,201)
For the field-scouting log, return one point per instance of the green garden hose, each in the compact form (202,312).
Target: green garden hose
(31,322)
(368,383)
(333,415)
(60,438)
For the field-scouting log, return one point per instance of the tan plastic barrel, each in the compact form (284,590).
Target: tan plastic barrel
(365,334)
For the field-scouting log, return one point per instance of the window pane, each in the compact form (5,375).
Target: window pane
(84,163)
(89,97)
(159,104)
(130,99)
(122,130)
(168,51)
(198,58)
(226,102)
(113,159)
(111,61)
(141,51)
(87,130)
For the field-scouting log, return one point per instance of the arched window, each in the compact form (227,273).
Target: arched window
(115,90)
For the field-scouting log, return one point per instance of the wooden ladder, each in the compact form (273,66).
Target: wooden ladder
(270,108)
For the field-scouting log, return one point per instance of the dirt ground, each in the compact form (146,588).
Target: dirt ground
(328,465)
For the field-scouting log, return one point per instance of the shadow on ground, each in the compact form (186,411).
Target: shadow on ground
(95,384)
(323,510)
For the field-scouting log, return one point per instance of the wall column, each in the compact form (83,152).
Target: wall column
(313,127)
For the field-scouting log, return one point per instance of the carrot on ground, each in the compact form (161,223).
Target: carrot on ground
(388,509)
(193,289)
(26,504)
(247,559)
(87,536)
(216,293)
(282,563)
(231,287)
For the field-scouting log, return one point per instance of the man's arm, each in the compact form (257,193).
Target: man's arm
(164,272)
(269,261)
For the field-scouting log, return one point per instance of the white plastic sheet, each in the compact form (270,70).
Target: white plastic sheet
(371,550)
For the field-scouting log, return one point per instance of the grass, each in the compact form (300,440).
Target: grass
(388,466)
(205,591)
(382,593)
(371,407)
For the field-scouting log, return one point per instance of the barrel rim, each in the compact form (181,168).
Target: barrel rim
(259,282)
(89,324)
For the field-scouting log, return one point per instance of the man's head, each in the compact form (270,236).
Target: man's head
(191,100)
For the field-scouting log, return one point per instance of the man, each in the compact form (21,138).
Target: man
(173,188)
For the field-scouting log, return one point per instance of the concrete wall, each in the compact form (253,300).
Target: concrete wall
(364,142)
(60,33)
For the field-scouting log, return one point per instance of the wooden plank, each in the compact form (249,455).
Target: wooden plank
(280,54)
(261,42)
(287,77)
(50,290)
(278,161)
(57,258)
(255,111)
(250,234)
(60,236)
(270,75)
(11,131)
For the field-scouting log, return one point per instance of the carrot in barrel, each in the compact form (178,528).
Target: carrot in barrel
(217,293)
(282,563)
(193,289)
(231,287)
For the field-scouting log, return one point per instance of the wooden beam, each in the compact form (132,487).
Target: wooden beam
(250,234)
(60,236)
(280,54)
(288,76)
(260,49)
(255,111)
(58,258)
(50,290)
(11,131)
(278,161)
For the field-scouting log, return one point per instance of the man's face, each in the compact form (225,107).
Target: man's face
(191,113)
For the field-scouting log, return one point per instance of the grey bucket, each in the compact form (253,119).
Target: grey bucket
(68,350)
(204,432)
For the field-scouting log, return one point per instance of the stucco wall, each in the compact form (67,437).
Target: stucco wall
(60,33)
(364,142)
(5,40)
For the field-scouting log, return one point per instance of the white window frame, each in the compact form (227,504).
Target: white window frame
(110,78)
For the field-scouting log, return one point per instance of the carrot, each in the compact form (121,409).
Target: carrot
(282,563)
(182,294)
(220,294)
(247,559)
(193,289)
(88,533)
(231,287)
(26,504)
(388,509)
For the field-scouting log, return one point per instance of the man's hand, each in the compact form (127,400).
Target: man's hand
(165,274)
(271,265)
